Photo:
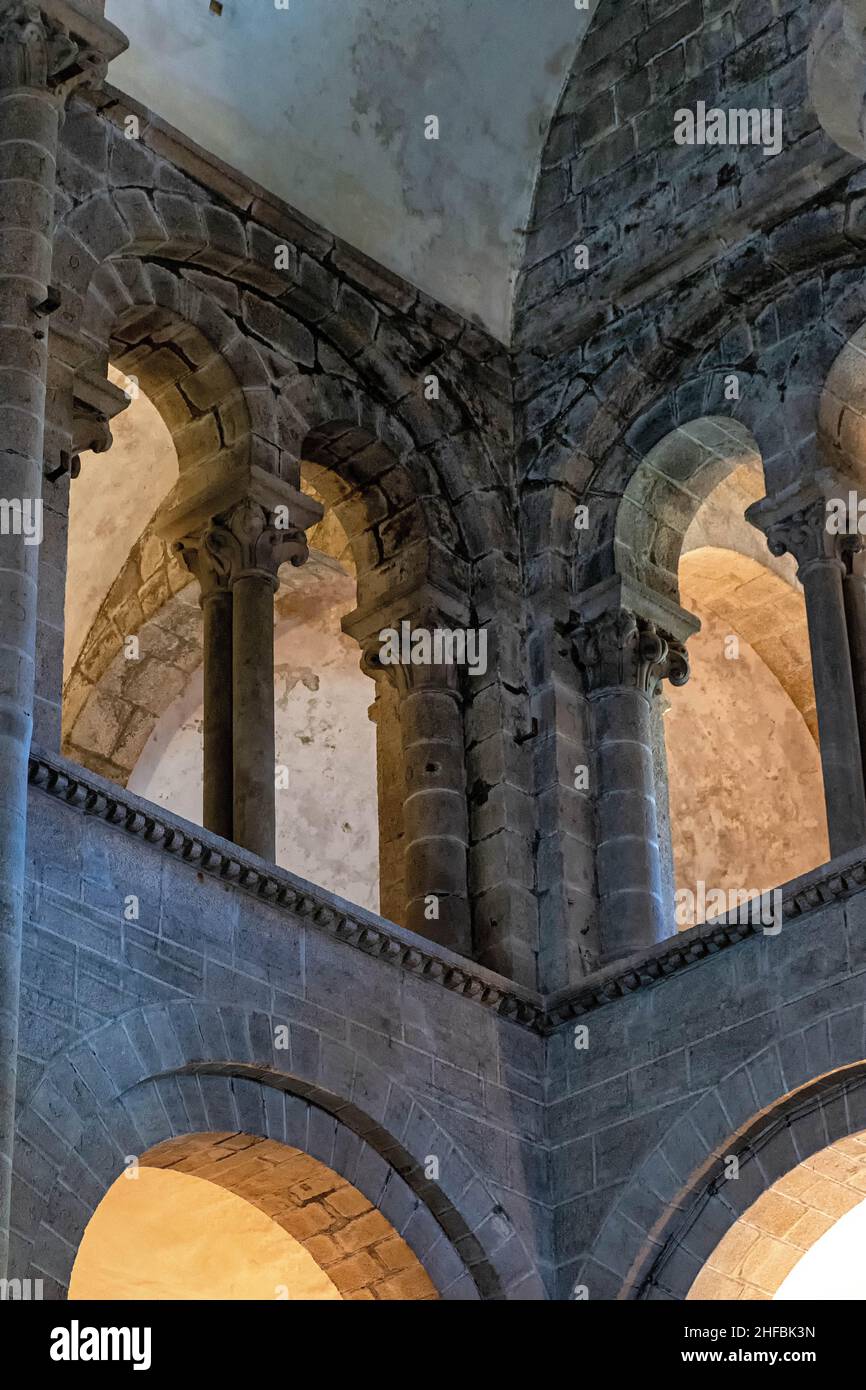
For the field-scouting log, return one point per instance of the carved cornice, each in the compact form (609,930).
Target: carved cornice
(366,932)
(324,912)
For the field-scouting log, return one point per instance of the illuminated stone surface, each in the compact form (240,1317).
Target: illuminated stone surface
(168,1235)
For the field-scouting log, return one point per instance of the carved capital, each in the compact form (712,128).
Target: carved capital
(621,649)
(400,659)
(206,567)
(40,49)
(250,540)
(806,535)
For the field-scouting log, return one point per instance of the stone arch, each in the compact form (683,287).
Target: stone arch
(837,55)
(681,1202)
(665,492)
(366,356)
(210,391)
(167,1070)
(373,497)
(585,435)
(204,375)
(842,412)
(345,1236)
(764,1245)
(127,222)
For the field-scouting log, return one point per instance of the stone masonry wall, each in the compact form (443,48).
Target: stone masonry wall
(200,980)
(164,255)
(705,263)
(640,1109)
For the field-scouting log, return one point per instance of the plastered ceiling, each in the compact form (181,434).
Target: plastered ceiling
(324,103)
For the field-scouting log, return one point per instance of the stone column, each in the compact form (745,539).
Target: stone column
(391,794)
(40,63)
(400,646)
(236,553)
(217,649)
(820,554)
(854,587)
(435,816)
(625,655)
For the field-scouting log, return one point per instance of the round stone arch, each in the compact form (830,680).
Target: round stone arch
(353,1244)
(206,377)
(836,61)
(842,413)
(212,393)
(595,450)
(684,1199)
(165,1071)
(367,353)
(640,504)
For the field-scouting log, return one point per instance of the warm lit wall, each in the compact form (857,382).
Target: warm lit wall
(327,825)
(169,1235)
(802,1239)
(746,791)
(110,504)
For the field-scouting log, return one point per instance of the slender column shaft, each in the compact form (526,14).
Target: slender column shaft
(629,863)
(218,723)
(625,658)
(390,781)
(435,822)
(28,147)
(253,714)
(837,708)
(854,585)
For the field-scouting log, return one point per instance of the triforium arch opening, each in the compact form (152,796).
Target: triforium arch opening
(133,698)
(696,597)
(411,592)
(235,1216)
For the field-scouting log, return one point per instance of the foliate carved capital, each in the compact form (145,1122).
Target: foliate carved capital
(406,670)
(620,649)
(36,50)
(203,565)
(807,536)
(250,541)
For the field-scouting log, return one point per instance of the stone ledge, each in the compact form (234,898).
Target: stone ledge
(831,882)
(328,913)
(324,911)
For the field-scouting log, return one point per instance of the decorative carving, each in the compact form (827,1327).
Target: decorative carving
(619,648)
(84,792)
(37,51)
(806,535)
(246,541)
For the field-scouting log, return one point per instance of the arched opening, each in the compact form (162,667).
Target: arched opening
(133,697)
(741,782)
(745,783)
(802,1239)
(233,1216)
